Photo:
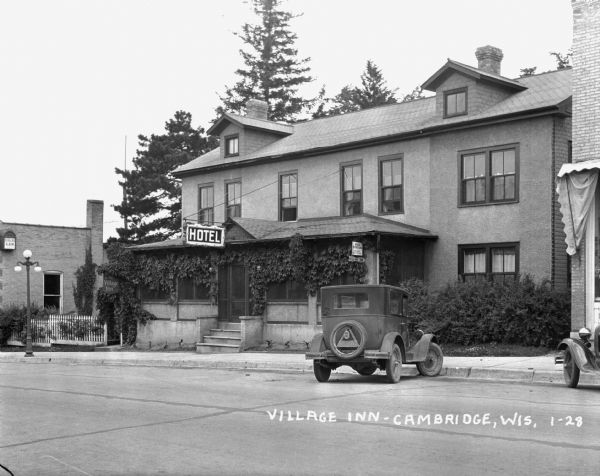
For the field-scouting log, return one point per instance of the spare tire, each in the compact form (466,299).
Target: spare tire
(347,340)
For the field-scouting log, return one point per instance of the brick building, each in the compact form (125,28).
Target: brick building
(458,185)
(579,197)
(59,250)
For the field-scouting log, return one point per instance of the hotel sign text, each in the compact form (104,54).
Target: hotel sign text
(204,235)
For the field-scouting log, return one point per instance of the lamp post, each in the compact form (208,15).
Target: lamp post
(36,267)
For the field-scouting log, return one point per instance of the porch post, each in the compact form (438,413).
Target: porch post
(590,266)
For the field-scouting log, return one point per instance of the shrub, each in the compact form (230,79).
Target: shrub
(12,317)
(521,312)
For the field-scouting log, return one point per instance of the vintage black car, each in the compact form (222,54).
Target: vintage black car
(366,328)
(579,355)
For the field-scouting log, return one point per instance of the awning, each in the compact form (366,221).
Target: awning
(576,186)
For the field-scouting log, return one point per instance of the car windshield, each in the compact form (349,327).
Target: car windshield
(351,301)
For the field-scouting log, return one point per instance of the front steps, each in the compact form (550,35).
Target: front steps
(226,339)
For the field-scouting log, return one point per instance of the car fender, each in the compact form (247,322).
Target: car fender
(317,344)
(388,342)
(583,356)
(421,348)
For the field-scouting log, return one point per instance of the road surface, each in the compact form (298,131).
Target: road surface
(99,420)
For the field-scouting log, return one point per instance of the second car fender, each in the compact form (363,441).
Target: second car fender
(583,356)
(419,350)
(388,342)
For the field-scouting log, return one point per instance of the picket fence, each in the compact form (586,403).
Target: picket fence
(69,329)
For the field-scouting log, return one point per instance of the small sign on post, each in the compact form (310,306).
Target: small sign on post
(357,248)
(205,235)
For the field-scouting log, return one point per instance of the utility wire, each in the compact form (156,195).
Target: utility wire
(260,188)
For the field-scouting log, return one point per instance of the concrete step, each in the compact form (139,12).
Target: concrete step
(233,326)
(217,349)
(225,333)
(213,339)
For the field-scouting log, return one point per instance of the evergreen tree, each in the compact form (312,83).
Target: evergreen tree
(372,92)
(563,61)
(527,72)
(416,93)
(152,203)
(272,71)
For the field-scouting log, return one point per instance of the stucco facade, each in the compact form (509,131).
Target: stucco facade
(515,134)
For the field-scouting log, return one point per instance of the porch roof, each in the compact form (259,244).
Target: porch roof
(253,230)
(327,227)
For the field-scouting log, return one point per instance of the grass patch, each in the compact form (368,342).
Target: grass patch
(494,350)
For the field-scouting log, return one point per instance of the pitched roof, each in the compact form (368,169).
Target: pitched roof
(257,230)
(251,122)
(451,66)
(365,224)
(546,91)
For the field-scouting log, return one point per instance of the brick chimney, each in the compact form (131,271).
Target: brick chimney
(489,58)
(257,109)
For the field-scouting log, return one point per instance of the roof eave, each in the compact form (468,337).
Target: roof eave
(220,125)
(437,78)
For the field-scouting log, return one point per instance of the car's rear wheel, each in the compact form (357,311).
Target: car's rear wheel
(366,369)
(570,370)
(393,366)
(432,365)
(322,372)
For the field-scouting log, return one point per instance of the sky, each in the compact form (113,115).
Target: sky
(81,79)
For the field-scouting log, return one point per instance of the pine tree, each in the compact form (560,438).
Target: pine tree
(272,71)
(152,203)
(563,61)
(416,93)
(372,92)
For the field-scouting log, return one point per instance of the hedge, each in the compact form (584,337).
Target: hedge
(522,312)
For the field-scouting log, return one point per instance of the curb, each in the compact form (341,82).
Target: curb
(530,376)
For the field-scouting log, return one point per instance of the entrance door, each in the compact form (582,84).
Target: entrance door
(233,292)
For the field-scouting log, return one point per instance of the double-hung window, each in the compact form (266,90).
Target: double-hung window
(497,262)
(53,285)
(232,146)
(206,205)
(489,176)
(391,184)
(455,102)
(352,189)
(233,199)
(288,197)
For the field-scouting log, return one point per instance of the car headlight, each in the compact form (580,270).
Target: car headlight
(584,333)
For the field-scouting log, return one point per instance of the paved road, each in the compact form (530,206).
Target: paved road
(74,420)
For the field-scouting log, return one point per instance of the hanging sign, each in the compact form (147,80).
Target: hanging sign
(204,235)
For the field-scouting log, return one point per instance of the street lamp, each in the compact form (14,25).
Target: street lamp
(37,268)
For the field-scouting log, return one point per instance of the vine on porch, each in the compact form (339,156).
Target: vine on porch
(315,265)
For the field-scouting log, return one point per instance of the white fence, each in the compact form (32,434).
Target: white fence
(71,329)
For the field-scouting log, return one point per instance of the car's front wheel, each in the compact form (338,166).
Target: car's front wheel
(570,369)
(393,366)
(432,365)
(322,372)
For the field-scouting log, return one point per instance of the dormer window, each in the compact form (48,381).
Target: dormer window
(455,102)
(232,146)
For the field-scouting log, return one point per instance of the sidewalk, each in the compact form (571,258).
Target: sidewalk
(516,369)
